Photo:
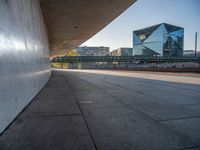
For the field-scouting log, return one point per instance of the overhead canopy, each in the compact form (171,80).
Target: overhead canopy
(72,22)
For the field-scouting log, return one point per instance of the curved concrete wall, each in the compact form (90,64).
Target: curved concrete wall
(24,62)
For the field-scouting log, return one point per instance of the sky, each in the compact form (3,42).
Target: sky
(144,13)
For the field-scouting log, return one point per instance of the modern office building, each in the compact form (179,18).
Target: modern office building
(159,40)
(93,51)
(123,51)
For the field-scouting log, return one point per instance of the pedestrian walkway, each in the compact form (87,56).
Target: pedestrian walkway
(109,110)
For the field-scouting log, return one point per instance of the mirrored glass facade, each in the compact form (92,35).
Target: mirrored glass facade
(159,40)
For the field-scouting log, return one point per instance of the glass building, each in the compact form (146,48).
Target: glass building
(159,40)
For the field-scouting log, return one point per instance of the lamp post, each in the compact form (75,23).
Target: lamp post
(195,44)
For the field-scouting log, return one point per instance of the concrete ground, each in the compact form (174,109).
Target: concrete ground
(110,110)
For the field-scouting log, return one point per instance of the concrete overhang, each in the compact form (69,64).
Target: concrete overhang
(71,22)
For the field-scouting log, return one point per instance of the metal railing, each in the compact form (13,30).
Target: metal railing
(130,59)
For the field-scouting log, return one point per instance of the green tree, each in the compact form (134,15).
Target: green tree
(72,53)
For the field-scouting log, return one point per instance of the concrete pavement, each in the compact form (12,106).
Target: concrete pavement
(110,110)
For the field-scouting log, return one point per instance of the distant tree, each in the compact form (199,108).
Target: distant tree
(72,53)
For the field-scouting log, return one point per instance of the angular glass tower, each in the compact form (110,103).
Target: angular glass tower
(159,40)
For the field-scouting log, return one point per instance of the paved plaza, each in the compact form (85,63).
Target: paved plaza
(110,110)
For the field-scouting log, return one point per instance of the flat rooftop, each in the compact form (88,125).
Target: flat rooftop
(110,110)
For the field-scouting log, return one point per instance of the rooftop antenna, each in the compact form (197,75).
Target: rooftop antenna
(196,44)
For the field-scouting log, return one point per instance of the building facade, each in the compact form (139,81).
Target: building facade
(159,40)
(93,51)
(124,51)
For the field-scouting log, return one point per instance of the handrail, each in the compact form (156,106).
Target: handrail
(133,59)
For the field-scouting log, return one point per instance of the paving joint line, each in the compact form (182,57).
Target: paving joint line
(181,118)
(188,148)
(61,115)
(91,136)
(190,104)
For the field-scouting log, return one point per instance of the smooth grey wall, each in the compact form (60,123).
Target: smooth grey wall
(24,62)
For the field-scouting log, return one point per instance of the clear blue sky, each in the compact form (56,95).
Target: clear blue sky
(144,13)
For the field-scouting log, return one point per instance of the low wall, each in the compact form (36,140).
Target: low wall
(178,66)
